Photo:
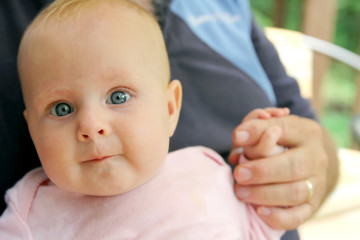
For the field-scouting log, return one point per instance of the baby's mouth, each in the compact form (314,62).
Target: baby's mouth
(99,158)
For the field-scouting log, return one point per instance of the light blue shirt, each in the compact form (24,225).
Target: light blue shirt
(225,26)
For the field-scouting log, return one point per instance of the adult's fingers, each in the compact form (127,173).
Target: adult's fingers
(285,218)
(283,194)
(288,166)
(295,130)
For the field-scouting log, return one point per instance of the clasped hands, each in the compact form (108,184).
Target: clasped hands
(281,166)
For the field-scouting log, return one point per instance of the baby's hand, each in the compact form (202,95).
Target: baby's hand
(266,113)
(266,145)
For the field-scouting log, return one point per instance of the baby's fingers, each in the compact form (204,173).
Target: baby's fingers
(266,113)
(278,112)
(257,114)
(267,145)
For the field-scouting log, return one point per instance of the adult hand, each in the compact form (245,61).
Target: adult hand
(280,184)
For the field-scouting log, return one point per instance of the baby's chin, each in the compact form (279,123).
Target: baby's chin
(102,191)
(103,182)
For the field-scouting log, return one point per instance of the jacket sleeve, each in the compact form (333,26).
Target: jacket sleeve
(285,87)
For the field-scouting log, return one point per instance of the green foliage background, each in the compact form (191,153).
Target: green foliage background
(339,83)
(347,31)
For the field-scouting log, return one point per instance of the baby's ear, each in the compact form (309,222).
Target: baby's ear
(174,97)
(25,114)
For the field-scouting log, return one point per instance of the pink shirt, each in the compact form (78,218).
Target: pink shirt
(191,198)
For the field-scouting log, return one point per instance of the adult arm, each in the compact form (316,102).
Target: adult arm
(279,182)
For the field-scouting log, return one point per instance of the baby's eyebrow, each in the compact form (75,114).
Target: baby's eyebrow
(51,94)
(122,78)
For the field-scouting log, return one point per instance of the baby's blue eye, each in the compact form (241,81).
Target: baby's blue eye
(61,109)
(118,97)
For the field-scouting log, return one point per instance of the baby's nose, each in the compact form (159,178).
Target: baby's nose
(86,136)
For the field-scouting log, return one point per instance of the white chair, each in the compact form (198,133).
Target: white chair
(297,52)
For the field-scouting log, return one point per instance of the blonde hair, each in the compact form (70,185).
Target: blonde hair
(61,10)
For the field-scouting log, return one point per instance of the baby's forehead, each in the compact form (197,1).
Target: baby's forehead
(113,16)
(107,17)
(74,13)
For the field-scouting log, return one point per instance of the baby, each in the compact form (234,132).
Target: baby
(100,109)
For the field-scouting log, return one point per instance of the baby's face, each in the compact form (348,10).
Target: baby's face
(97,103)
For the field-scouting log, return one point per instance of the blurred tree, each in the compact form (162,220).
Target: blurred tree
(262,10)
(347,32)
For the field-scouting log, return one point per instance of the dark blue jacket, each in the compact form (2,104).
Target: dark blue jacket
(227,68)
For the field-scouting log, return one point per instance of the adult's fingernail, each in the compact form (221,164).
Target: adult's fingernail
(242,192)
(264,211)
(237,150)
(242,136)
(243,174)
